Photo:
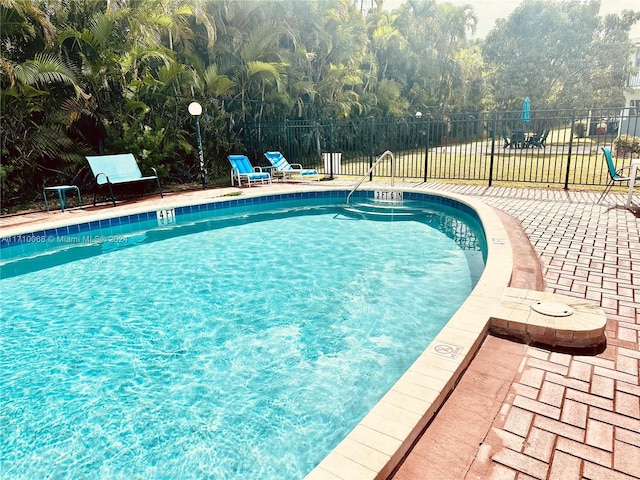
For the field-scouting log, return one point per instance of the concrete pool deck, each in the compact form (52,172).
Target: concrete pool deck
(520,411)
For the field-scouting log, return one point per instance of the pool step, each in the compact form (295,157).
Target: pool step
(381,208)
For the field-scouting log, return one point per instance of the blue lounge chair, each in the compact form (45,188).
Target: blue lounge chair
(286,170)
(614,175)
(243,171)
(118,169)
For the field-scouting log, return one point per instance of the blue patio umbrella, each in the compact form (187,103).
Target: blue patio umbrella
(525,115)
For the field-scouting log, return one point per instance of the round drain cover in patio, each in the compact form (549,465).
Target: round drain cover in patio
(553,309)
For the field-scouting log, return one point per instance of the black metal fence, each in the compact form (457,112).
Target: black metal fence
(551,146)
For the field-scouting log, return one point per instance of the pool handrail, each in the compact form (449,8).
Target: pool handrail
(375,164)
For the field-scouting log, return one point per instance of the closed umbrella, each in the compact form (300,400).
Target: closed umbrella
(525,115)
(518,138)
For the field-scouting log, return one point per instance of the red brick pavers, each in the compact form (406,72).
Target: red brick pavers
(564,416)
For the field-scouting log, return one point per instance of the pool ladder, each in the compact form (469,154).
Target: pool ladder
(370,207)
(393,173)
(377,208)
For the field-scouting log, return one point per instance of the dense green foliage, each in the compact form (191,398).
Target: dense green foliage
(117,75)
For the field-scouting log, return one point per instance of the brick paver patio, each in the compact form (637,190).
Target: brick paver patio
(554,415)
(522,412)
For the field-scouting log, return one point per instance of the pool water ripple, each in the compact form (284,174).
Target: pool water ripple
(243,352)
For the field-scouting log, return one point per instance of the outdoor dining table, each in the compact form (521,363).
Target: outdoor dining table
(635,165)
(518,139)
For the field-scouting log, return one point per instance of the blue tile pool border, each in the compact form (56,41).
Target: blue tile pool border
(37,240)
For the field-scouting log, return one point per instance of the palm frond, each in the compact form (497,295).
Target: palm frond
(216,84)
(263,70)
(44,69)
(102,28)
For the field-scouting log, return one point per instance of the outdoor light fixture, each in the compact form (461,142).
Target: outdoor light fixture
(195,109)
(418,114)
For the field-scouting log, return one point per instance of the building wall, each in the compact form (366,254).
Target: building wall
(630,122)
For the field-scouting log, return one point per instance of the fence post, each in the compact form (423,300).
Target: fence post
(494,127)
(245,139)
(573,122)
(371,149)
(287,135)
(426,145)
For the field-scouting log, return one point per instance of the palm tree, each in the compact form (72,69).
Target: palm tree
(34,89)
(246,52)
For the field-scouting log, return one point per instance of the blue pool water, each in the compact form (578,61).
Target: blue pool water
(245,349)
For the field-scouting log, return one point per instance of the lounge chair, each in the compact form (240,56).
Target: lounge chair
(506,140)
(243,171)
(538,140)
(517,139)
(614,175)
(118,169)
(285,170)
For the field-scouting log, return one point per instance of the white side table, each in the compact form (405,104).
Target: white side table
(635,164)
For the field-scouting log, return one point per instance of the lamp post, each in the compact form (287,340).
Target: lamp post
(195,109)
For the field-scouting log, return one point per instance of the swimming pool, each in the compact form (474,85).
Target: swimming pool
(166,348)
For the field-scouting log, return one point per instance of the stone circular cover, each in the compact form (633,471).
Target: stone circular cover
(553,309)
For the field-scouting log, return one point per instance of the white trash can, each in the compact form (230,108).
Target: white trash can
(332,163)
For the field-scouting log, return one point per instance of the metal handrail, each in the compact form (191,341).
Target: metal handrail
(375,164)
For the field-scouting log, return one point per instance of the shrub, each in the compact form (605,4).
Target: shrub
(580,129)
(626,146)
